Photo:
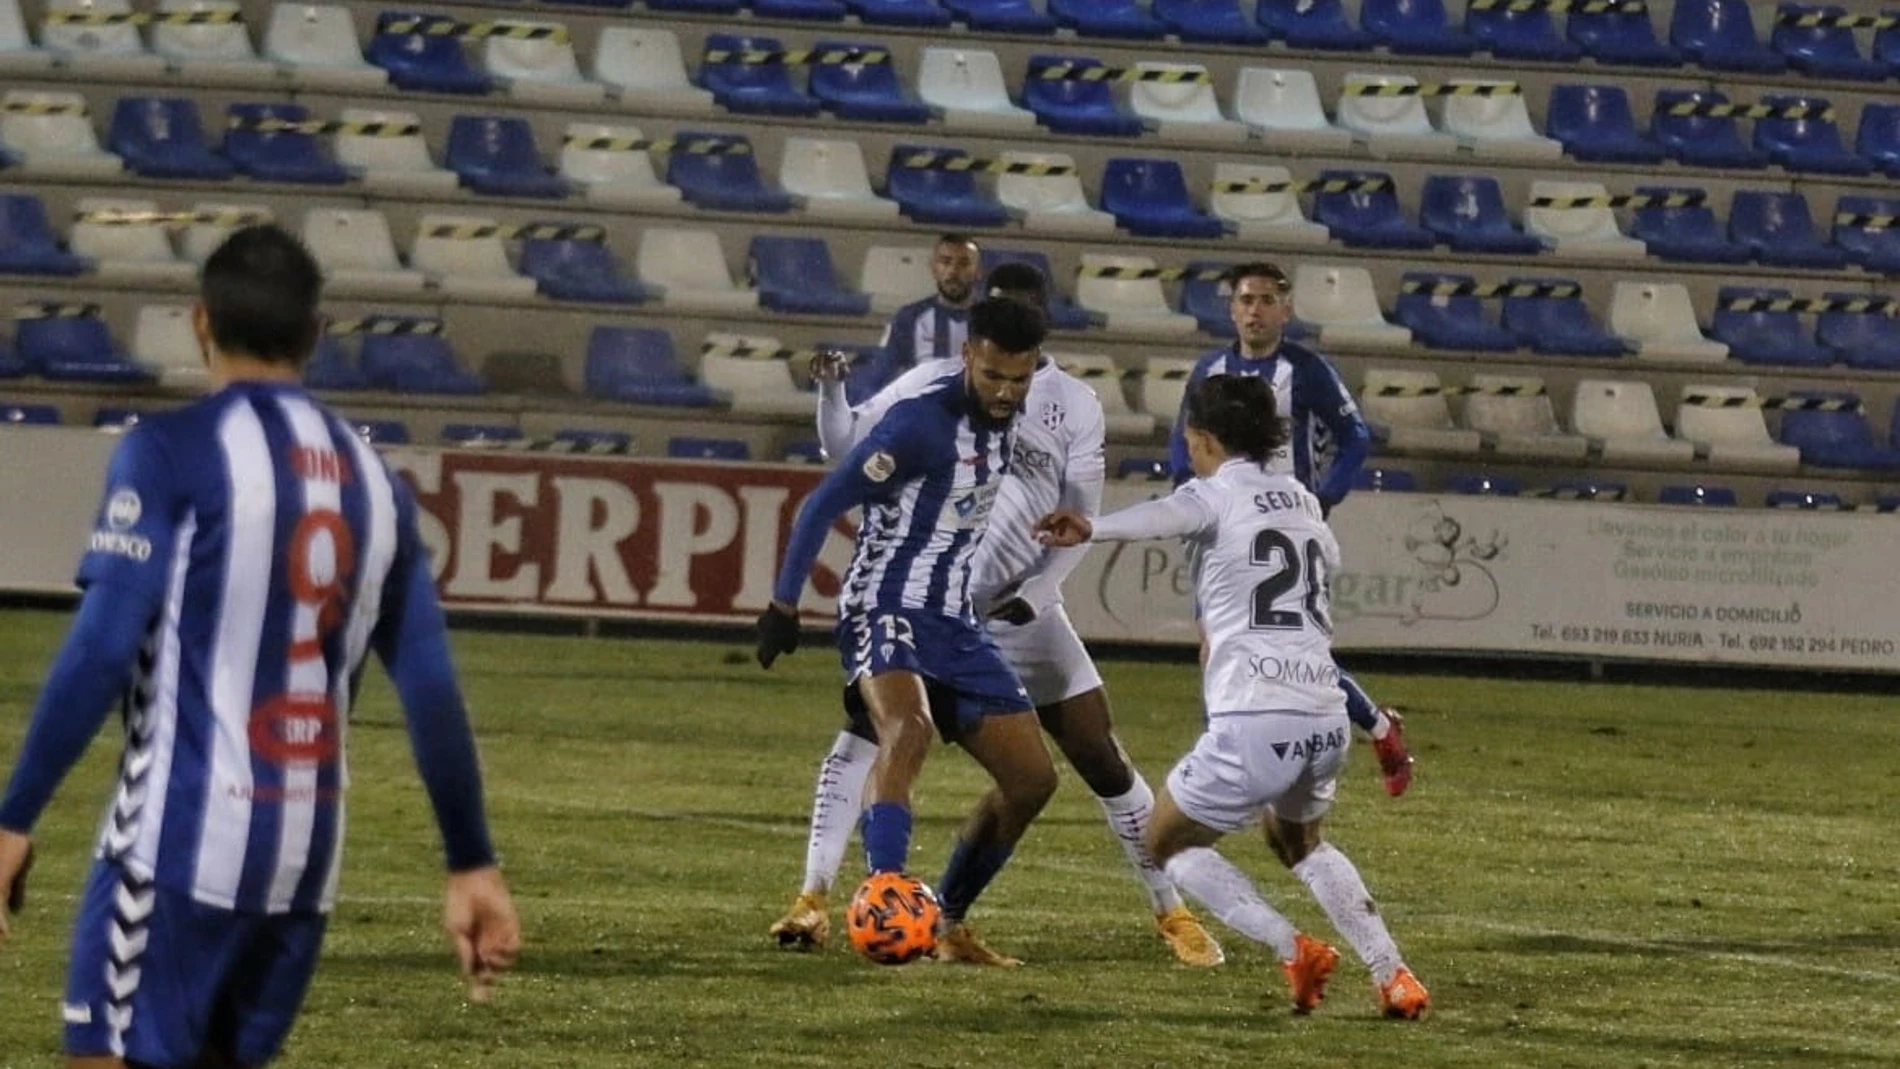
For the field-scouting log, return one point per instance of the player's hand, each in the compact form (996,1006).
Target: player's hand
(778,633)
(480,919)
(16,860)
(1015,612)
(830,365)
(1064,528)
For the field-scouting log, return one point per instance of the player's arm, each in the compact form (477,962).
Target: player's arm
(1082,481)
(1182,514)
(836,420)
(1326,396)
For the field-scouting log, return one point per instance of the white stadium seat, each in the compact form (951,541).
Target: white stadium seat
(1163,386)
(760,386)
(163,339)
(18,54)
(830,178)
(466,266)
(1101,375)
(1341,302)
(690,267)
(1518,420)
(613,177)
(1283,107)
(1133,305)
(317,45)
(219,220)
(392,164)
(113,51)
(540,71)
(356,253)
(966,86)
(1496,127)
(1416,420)
(894,277)
(1391,124)
(645,71)
(1622,419)
(1734,438)
(52,132)
(1274,217)
(1186,110)
(1658,319)
(217,53)
(1580,232)
(127,251)
(1053,204)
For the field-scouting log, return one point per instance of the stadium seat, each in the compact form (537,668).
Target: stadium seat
(1557,326)
(356,252)
(1514,414)
(525,373)
(1778,230)
(1822,51)
(1449,322)
(461,263)
(1887,46)
(1779,339)
(398,164)
(1520,35)
(1367,218)
(1720,35)
(728,450)
(1283,108)
(1596,125)
(940,197)
(1204,295)
(107,233)
(1185,110)
(807,10)
(613,177)
(1408,411)
(163,340)
(278,156)
(331,367)
(211,53)
(572,270)
(645,70)
(29,415)
(76,349)
(1580,233)
(28,244)
(593,442)
(1726,425)
(216,221)
(1135,305)
(162,138)
(111,51)
(1467,213)
(1051,203)
(966,87)
(1063,314)
(11,366)
(382,431)
(1478,485)
(316,45)
(540,70)
(637,365)
(1125,20)
(1865,340)
(1623,421)
(723,181)
(416,363)
(1622,36)
(1840,438)
(1163,385)
(1807,146)
(1496,127)
(1320,24)
(1276,218)
(1808,501)
(698,7)
(1702,140)
(1149,198)
(689,267)
(752,88)
(19,56)
(116,419)
(1584,490)
(893,277)
(1390,125)
(1211,22)
(1414,27)
(915,13)
(761,385)
(1101,375)
(50,134)
(1073,106)
(423,59)
(1697,495)
(497,156)
(1001,16)
(1689,233)
(1864,230)
(1878,138)
(481,435)
(1659,322)
(796,276)
(1383,480)
(829,180)
(1341,302)
(864,92)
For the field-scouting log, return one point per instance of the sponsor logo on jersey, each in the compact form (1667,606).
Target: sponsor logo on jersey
(120,544)
(880,466)
(1023,456)
(1319,673)
(1317,743)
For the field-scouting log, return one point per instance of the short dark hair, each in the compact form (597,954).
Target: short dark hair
(1257,269)
(1018,279)
(1011,326)
(955,238)
(1239,411)
(261,289)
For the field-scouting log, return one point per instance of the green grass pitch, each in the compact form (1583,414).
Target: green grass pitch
(1585,875)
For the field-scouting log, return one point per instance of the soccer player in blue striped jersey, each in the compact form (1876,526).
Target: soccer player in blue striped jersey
(935,327)
(926,476)
(250,552)
(1324,446)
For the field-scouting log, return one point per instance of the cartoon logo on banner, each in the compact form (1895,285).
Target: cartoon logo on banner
(1452,580)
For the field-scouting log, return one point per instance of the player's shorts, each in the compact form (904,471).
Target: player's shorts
(1248,763)
(1048,656)
(159,978)
(958,662)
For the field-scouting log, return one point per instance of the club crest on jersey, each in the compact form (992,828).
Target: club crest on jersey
(880,466)
(1053,414)
(123,510)
(1312,746)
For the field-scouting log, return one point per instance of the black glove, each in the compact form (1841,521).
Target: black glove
(778,633)
(1015,612)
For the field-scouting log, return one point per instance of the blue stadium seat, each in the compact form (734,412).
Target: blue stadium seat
(752,88)
(1450,322)
(1705,496)
(723,181)
(1467,212)
(284,156)
(1585,490)
(29,415)
(1622,36)
(1068,106)
(1150,198)
(1690,234)
(1720,35)
(330,368)
(1808,500)
(1001,16)
(1774,339)
(1887,45)
(917,13)
(1207,299)
(1368,218)
(11,366)
(77,349)
(381,431)
(1810,146)
(1486,485)
(1558,326)
(427,62)
(1115,19)
(1878,139)
(1869,341)
(796,275)
(807,10)
(1595,124)
(416,363)
(1415,27)
(1820,51)
(941,198)
(637,365)
(497,156)
(28,244)
(1887,502)
(1521,35)
(1841,439)
(1874,247)
(1778,230)
(1063,313)
(1153,469)
(480,434)
(580,271)
(163,138)
(693,448)
(1313,24)
(805,451)
(1212,22)
(117,417)
(1702,140)
(582,440)
(1385,480)
(869,92)
(697,7)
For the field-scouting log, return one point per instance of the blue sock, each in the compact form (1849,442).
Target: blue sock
(1359,707)
(886,833)
(971,869)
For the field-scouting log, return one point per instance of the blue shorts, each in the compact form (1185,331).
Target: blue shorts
(160,979)
(966,674)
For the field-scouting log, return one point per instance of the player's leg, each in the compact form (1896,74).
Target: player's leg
(1386,729)
(900,715)
(264,989)
(1009,747)
(837,801)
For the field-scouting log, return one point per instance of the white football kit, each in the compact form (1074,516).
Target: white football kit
(1276,719)
(1058,463)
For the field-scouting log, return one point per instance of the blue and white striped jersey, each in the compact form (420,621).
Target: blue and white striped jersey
(924,331)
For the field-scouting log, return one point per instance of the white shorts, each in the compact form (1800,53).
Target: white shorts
(1249,763)
(1048,656)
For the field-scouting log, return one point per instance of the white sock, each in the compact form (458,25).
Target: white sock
(1128,815)
(1381,725)
(1336,885)
(1229,895)
(835,805)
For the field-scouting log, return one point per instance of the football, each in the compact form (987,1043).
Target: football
(893,918)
